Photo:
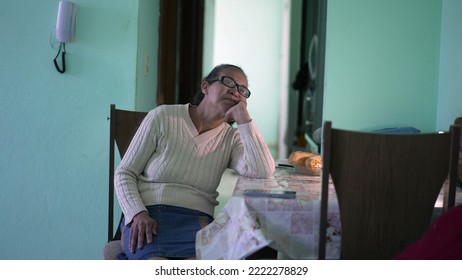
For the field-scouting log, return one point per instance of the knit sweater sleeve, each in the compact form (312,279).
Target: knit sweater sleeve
(251,156)
(132,165)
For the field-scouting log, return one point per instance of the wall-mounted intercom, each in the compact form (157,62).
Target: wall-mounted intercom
(65,30)
(65,23)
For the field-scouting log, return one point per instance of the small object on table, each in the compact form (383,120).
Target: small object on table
(269,193)
(309,162)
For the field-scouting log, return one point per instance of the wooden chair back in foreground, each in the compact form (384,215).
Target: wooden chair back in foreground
(386,185)
(458,121)
(123,126)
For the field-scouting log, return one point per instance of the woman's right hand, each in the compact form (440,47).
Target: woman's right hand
(143,226)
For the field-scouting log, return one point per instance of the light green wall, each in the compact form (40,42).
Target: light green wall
(148,40)
(382,63)
(54,127)
(450,82)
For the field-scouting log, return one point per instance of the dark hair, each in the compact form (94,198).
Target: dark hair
(212,76)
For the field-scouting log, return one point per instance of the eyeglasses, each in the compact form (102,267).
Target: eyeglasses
(229,82)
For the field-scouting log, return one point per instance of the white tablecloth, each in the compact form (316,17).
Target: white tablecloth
(291,226)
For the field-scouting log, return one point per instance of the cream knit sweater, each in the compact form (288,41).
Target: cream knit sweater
(169,162)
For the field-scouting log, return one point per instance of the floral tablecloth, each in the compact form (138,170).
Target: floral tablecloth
(291,226)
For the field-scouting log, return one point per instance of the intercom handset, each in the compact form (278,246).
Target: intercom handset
(65,30)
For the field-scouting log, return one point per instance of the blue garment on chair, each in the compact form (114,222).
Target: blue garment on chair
(398,130)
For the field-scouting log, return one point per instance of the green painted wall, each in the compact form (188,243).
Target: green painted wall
(382,63)
(146,69)
(53,127)
(450,82)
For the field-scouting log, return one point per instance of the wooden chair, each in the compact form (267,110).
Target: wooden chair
(386,185)
(458,121)
(123,125)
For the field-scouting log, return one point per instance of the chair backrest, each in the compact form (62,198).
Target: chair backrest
(386,185)
(458,121)
(123,126)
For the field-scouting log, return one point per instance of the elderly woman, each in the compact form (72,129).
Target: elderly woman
(166,184)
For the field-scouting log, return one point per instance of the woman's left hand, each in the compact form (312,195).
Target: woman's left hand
(238,113)
(143,227)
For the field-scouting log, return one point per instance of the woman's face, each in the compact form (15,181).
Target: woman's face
(221,95)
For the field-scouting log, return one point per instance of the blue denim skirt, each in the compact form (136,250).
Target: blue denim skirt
(176,233)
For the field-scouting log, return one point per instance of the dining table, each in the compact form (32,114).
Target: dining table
(289,225)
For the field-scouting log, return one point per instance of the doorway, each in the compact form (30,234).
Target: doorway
(181,26)
(307,87)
